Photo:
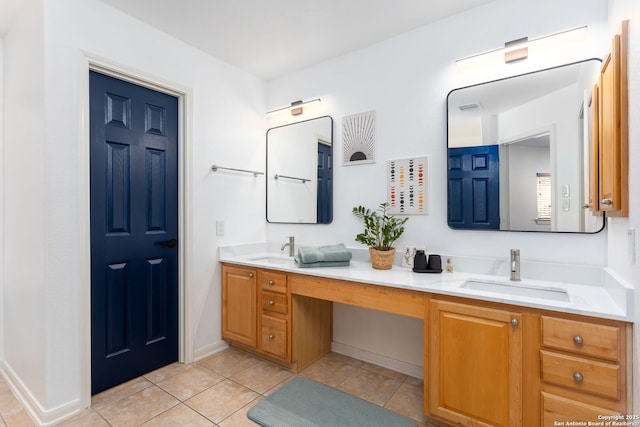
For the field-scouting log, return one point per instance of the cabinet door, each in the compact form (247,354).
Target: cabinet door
(614,127)
(475,369)
(610,195)
(239,305)
(594,153)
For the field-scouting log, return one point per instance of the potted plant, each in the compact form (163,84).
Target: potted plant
(380,231)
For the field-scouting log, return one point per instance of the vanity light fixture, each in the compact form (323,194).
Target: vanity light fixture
(296,107)
(516,50)
(520,49)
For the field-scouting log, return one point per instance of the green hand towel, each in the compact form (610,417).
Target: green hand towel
(328,253)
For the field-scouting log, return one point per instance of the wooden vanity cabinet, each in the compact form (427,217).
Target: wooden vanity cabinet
(239,286)
(475,364)
(259,313)
(491,364)
(256,311)
(583,369)
(485,363)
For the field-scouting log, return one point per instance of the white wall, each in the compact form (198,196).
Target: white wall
(525,161)
(45,189)
(406,80)
(24,311)
(617,227)
(557,113)
(1,201)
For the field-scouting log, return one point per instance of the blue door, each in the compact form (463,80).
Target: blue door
(473,189)
(325,185)
(134,230)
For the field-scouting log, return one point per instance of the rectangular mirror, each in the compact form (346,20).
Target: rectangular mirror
(300,172)
(519,150)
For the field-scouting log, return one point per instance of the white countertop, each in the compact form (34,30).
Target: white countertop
(610,299)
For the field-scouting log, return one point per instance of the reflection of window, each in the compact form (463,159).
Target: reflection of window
(543,191)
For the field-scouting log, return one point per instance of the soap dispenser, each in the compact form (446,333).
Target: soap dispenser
(448,268)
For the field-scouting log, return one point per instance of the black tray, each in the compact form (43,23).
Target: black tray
(417,270)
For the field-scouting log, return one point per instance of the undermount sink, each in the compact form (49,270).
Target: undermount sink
(273,259)
(517,289)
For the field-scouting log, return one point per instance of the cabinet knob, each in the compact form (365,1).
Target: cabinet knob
(271,302)
(586,206)
(578,377)
(271,283)
(271,336)
(250,275)
(578,340)
(515,322)
(606,202)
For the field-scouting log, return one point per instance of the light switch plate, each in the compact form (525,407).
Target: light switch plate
(631,244)
(219,228)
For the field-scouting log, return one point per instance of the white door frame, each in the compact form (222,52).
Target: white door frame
(89,62)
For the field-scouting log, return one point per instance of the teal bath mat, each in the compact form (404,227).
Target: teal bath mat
(306,403)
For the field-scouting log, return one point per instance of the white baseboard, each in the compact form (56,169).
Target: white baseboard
(42,417)
(379,359)
(208,350)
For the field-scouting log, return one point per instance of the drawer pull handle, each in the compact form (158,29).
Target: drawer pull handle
(515,322)
(606,202)
(271,283)
(578,377)
(271,336)
(250,275)
(271,302)
(578,340)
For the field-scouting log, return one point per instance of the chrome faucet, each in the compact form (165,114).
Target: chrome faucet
(515,265)
(291,244)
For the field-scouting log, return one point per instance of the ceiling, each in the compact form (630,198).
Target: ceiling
(270,38)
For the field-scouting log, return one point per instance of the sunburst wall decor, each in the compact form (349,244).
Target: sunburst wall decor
(359,138)
(407,181)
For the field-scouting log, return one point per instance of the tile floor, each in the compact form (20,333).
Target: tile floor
(219,390)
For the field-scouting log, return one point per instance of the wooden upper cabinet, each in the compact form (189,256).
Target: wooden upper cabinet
(612,130)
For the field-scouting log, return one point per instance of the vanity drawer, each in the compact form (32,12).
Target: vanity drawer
(581,337)
(272,301)
(598,378)
(556,408)
(274,282)
(274,336)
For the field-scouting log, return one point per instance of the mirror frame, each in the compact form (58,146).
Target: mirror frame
(329,212)
(448,159)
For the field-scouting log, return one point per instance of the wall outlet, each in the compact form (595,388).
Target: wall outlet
(219,228)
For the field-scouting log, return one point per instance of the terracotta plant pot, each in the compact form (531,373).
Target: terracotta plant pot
(382,260)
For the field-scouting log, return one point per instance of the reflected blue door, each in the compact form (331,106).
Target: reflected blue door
(325,185)
(134,230)
(473,187)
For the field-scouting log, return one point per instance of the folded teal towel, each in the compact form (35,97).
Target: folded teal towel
(321,263)
(328,253)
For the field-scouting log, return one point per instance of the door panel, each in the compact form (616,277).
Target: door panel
(474,188)
(134,279)
(325,185)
